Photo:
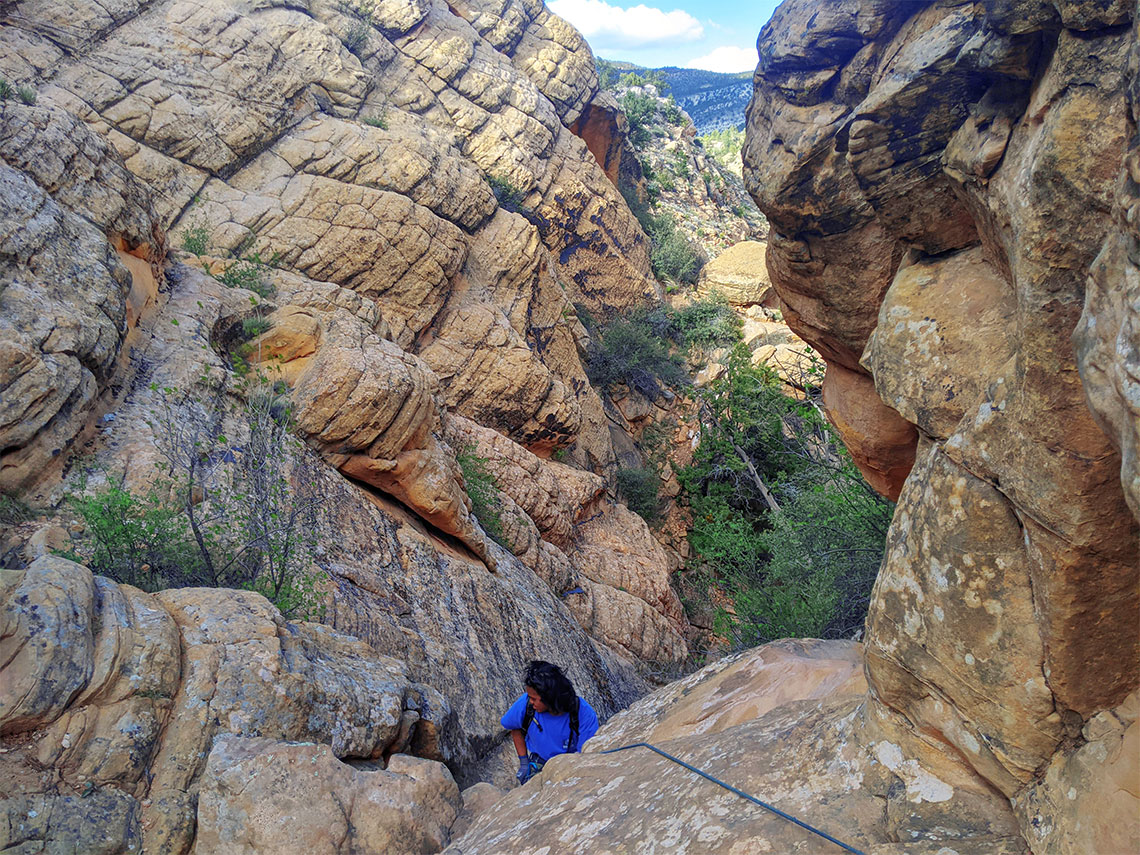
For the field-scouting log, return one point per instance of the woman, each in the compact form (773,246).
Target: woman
(548,719)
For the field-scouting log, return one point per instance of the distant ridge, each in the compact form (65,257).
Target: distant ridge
(714,100)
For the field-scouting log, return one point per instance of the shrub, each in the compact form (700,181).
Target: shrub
(249,272)
(253,327)
(639,488)
(379,120)
(628,351)
(672,113)
(639,110)
(13,511)
(195,236)
(710,323)
(26,94)
(6,90)
(782,519)
(672,255)
(681,163)
(138,540)
(483,491)
(509,195)
(221,515)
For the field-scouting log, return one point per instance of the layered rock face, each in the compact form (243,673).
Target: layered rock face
(113,699)
(412,318)
(951,229)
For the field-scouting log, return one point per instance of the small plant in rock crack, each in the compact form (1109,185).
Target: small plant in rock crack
(377,120)
(250,272)
(483,491)
(253,327)
(195,237)
(509,194)
(26,94)
(6,90)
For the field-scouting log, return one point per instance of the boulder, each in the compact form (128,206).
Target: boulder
(740,275)
(258,795)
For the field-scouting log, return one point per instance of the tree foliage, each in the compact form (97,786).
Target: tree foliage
(228,514)
(782,519)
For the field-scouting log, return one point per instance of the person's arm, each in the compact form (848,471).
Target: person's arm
(512,722)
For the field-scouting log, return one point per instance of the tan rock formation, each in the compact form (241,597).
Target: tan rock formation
(605,553)
(259,795)
(114,695)
(369,408)
(69,296)
(740,275)
(938,196)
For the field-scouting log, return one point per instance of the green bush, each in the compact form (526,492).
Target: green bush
(26,94)
(782,519)
(250,272)
(709,323)
(141,540)
(6,90)
(253,327)
(222,515)
(509,195)
(629,351)
(377,120)
(483,491)
(671,254)
(639,488)
(674,257)
(639,110)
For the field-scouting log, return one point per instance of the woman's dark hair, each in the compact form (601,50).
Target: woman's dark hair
(556,691)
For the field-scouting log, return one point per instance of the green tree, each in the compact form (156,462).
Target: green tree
(782,519)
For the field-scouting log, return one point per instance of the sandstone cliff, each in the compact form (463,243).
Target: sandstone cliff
(950,189)
(148,150)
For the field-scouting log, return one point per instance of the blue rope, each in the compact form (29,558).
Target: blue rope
(740,793)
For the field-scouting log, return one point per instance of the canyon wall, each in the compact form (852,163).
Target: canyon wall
(951,229)
(432,221)
(951,189)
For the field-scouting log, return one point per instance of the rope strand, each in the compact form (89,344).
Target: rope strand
(738,792)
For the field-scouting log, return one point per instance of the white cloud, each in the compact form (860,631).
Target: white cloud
(726,59)
(609,27)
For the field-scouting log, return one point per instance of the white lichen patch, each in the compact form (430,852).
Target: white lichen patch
(921,785)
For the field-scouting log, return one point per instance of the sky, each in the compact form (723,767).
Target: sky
(716,35)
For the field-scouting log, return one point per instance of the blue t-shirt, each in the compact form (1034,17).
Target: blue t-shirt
(549,734)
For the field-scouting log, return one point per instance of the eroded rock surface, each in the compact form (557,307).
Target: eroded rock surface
(946,226)
(111,699)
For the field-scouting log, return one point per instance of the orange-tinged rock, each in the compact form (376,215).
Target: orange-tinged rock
(881,442)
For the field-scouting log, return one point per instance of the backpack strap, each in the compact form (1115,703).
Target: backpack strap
(528,717)
(574,726)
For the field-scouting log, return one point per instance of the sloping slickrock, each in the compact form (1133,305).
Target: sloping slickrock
(110,700)
(67,298)
(738,689)
(264,796)
(785,722)
(944,187)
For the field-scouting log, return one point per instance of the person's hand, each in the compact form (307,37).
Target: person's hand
(524,770)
